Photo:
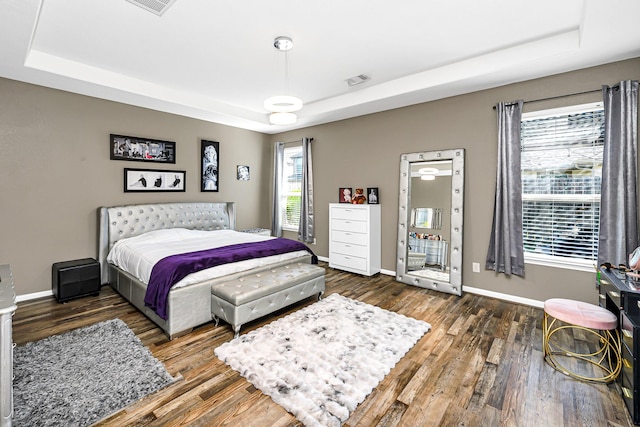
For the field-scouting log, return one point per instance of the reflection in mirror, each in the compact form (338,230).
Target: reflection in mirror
(430,220)
(426,218)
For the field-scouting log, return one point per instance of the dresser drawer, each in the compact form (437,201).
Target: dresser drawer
(348,261)
(632,303)
(627,368)
(349,249)
(606,288)
(627,394)
(627,332)
(349,225)
(349,237)
(349,213)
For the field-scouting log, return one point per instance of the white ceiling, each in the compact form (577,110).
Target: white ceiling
(214,59)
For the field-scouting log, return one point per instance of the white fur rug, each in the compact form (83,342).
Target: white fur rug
(320,362)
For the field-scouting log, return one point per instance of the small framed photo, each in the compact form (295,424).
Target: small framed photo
(344,194)
(150,180)
(141,149)
(243,173)
(373,196)
(209,159)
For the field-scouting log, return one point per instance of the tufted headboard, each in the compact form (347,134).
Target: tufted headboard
(120,222)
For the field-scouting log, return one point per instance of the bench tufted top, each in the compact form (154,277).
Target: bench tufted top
(581,314)
(255,286)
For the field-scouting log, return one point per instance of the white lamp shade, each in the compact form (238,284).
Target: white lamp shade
(283,104)
(282,118)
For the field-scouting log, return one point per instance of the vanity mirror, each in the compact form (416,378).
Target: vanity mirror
(430,220)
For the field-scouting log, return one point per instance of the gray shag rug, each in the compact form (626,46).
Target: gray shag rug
(82,376)
(320,362)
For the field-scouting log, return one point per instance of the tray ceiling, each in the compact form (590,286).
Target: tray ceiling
(214,60)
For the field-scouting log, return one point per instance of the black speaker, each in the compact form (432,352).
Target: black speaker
(75,279)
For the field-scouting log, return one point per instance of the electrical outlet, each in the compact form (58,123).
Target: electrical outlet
(476,267)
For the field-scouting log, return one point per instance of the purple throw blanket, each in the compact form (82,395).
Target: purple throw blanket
(170,270)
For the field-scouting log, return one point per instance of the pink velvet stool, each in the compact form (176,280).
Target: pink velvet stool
(569,315)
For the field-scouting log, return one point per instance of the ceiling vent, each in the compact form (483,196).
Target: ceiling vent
(157,7)
(359,79)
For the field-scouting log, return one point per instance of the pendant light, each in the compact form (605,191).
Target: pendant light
(283,107)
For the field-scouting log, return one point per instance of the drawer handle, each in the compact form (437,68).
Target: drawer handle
(626,363)
(604,282)
(627,333)
(614,294)
(602,296)
(627,393)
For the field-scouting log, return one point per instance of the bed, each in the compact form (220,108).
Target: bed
(187,305)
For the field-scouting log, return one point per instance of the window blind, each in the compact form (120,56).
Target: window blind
(561,179)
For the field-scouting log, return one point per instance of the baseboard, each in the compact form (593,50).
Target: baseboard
(506,297)
(486,293)
(471,290)
(35,295)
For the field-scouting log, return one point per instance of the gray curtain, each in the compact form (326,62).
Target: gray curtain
(506,250)
(619,195)
(276,215)
(305,228)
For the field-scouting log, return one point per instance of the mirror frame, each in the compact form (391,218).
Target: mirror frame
(454,286)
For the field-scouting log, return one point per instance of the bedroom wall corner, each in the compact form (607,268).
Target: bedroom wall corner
(55,173)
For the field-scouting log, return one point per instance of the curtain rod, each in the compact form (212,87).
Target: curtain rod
(556,97)
(297,140)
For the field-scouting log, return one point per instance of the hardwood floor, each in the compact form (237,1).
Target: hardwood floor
(481,365)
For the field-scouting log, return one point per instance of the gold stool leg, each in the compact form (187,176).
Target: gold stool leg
(607,357)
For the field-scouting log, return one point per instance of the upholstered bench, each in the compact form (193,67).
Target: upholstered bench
(569,315)
(250,297)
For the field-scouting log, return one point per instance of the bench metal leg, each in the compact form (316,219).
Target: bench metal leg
(236,329)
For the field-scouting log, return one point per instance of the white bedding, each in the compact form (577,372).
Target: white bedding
(137,255)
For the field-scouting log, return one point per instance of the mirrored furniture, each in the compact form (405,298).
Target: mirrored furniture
(620,294)
(430,218)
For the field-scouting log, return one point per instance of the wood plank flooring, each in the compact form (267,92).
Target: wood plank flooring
(481,365)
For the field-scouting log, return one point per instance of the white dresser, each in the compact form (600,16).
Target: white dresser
(354,238)
(7,308)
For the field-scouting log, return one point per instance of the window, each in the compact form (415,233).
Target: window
(561,178)
(291,188)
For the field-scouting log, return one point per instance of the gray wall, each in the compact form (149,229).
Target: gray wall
(365,152)
(55,170)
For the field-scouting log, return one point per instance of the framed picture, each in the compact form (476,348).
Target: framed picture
(209,158)
(148,180)
(243,173)
(142,149)
(344,194)
(373,196)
